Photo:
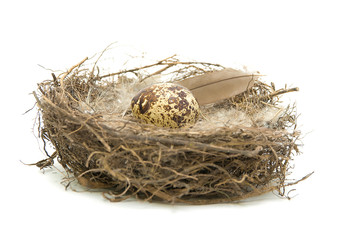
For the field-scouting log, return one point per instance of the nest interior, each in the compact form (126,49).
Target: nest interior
(241,147)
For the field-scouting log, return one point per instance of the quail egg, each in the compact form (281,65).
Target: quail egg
(166,105)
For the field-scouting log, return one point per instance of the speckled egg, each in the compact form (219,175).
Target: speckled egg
(166,105)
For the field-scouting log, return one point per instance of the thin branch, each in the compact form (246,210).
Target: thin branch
(162,62)
(64,75)
(101,54)
(156,73)
(283,91)
(30,109)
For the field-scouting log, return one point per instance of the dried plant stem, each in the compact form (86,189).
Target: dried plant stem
(64,75)
(283,91)
(166,61)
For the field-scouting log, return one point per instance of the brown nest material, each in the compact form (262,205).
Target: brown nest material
(99,143)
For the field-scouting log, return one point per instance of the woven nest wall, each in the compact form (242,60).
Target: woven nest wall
(239,148)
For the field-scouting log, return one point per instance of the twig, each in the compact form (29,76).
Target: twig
(70,70)
(136,69)
(102,53)
(300,180)
(30,109)
(156,73)
(162,62)
(283,91)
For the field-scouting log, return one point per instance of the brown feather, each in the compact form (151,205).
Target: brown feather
(215,86)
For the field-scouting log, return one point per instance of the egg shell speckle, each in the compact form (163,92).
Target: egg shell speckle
(166,105)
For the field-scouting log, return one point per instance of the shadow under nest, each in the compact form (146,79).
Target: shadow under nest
(204,164)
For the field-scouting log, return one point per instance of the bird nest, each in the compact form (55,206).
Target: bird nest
(240,147)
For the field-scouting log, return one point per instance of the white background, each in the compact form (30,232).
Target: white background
(293,42)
